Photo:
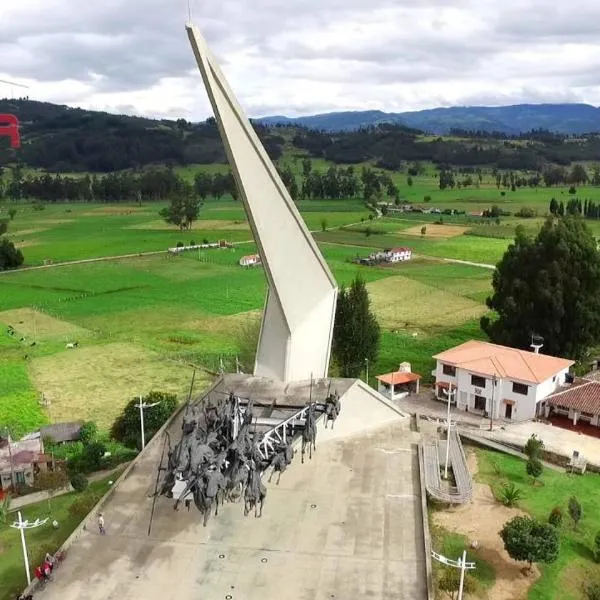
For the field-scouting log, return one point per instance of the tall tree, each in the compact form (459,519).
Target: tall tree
(550,286)
(10,257)
(356,332)
(526,539)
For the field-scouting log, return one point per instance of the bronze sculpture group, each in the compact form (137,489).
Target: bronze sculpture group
(219,456)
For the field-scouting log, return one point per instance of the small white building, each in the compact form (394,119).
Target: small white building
(398,254)
(498,381)
(398,384)
(250,261)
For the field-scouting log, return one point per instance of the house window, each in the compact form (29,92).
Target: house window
(20,477)
(478,381)
(480,402)
(449,370)
(520,388)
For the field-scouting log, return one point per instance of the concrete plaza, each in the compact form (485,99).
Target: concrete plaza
(345,525)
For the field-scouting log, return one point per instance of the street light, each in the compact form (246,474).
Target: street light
(448,393)
(367,369)
(22,526)
(460,563)
(142,406)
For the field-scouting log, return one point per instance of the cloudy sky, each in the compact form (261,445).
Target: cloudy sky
(298,57)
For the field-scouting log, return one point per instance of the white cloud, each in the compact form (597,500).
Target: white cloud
(303,56)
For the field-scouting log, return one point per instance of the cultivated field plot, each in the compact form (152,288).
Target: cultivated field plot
(201,224)
(403,303)
(437,231)
(34,325)
(95,382)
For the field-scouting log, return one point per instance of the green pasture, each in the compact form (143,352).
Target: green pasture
(563,579)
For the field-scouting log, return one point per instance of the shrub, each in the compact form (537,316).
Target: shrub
(205,241)
(510,494)
(424,230)
(575,511)
(592,590)
(83,505)
(597,547)
(180,244)
(534,468)
(427,198)
(192,243)
(572,190)
(526,539)
(38,206)
(556,516)
(10,257)
(92,456)
(534,446)
(79,482)
(88,432)
(525,213)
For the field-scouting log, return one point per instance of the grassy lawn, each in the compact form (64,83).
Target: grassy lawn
(41,539)
(563,579)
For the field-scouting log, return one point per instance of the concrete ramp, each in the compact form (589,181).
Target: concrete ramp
(362,409)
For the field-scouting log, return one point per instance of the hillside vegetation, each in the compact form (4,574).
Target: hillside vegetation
(63,139)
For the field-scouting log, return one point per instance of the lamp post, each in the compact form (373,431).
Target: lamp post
(142,406)
(22,526)
(448,393)
(460,563)
(367,370)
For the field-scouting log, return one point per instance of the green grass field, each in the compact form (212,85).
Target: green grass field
(146,320)
(563,579)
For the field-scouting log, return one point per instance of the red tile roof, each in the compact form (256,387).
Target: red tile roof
(583,395)
(502,361)
(398,377)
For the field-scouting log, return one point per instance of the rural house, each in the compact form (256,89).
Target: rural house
(499,381)
(21,459)
(250,260)
(398,384)
(398,254)
(62,432)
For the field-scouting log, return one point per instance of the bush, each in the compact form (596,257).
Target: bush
(597,547)
(572,190)
(180,244)
(79,482)
(556,516)
(92,456)
(192,243)
(525,213)
(37,206)
(575,510)
(424,230)
(83,505)
(10,257)
(126,427)
(427,199)
(205,241)
(534,446)
(88,432)
(534,468)
(592,591)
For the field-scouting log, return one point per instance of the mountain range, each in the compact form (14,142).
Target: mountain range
(510,120)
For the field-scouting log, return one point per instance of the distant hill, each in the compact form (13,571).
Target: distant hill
(510,120)
(63,139)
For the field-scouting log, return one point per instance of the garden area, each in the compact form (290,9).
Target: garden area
(547,520)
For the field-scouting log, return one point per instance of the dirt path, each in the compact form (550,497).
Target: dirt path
(481,520)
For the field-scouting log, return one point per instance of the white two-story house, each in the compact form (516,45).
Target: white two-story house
(498,381)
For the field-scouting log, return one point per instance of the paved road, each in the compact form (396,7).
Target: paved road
(345,525)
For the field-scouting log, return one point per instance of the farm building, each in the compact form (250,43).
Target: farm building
(21,459)
(250,260)
(398,384)
(390,255)
(62,432)
(499,381)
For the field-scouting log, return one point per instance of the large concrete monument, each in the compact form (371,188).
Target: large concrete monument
(297,325)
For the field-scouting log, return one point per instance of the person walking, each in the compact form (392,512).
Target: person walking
(101,524)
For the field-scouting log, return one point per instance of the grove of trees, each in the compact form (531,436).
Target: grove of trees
(550,286)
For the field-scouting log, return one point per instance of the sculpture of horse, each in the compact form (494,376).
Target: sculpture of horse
(255,493)
(309,433)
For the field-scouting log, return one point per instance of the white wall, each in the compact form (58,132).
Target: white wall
(525,405)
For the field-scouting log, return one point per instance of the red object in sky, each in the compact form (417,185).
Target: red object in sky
(9,125)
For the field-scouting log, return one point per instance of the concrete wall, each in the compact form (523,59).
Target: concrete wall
(362,408)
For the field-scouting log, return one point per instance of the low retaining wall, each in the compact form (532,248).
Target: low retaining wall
(426,534)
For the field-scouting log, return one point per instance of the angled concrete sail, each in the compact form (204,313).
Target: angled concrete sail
(297,325)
